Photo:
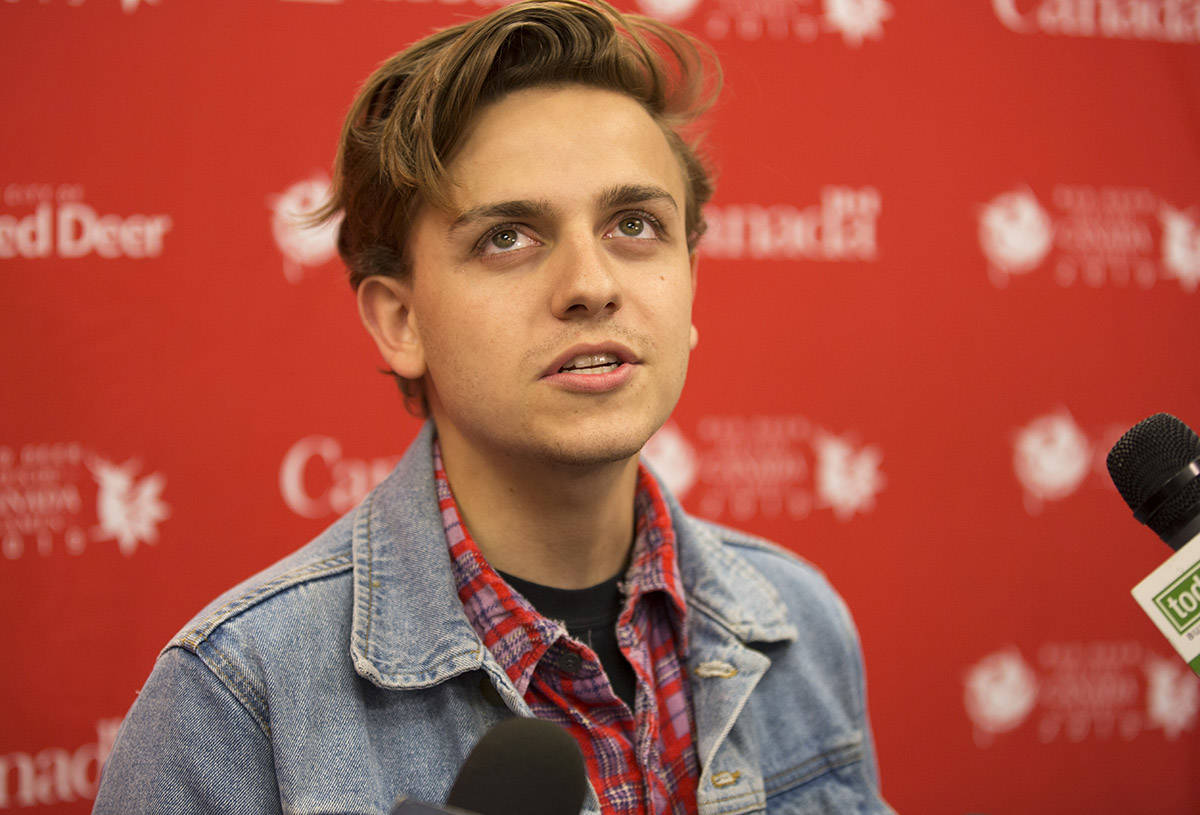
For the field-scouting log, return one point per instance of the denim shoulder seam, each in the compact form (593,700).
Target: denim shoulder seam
(365,519)
(738,538)
(191,638)
(238,684)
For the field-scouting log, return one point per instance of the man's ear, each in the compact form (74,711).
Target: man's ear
(385,307)
(694,261)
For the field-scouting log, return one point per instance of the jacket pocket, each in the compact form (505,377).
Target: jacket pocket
(830,782)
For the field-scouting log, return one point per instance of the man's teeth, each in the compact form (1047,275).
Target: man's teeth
(592,364)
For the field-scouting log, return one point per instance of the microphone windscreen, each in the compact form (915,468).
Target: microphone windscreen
(1145,458)
(522,767)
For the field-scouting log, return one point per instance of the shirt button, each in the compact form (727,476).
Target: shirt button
(570,662)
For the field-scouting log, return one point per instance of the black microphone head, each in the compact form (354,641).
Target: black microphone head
(522,767)
(1145,459)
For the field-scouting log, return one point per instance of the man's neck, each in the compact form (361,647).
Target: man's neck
(562,525)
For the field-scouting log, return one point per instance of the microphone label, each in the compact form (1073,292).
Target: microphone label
(1170,595)
(1180,602)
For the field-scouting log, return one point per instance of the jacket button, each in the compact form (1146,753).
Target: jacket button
(715,668)
(570,662)
(726,779)
(490,694)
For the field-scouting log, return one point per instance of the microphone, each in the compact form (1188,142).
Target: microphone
(1156,468)
(519,767)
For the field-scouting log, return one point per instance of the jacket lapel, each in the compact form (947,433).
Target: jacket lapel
(731,608)
(408,633)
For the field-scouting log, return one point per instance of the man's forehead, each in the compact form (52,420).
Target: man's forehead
(551,145)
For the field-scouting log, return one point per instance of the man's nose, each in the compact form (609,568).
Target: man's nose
(586,284)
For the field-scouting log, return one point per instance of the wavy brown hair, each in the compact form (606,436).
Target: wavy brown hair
(410,115)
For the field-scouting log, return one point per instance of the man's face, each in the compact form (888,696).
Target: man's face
(554,310)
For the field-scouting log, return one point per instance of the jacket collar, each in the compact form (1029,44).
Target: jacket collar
(723,587)
(409,628)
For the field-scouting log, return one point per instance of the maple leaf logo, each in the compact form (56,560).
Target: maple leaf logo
(847,480)
(1172,697)
(669,11)
(130,6)
(303,244)
(1181,247)
(857,19)
(1051,457)
(129,509)
(673,457)
(1000,692)
(1015,233)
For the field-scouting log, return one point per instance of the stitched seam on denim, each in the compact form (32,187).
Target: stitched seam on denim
(815,767)
(201,631)
(746,574)
(435,677)
(825,762)
(715,616)
(750,794)
(749,806)
(752,806)
(819,758)
(366,520)
(738,537)
(733,538)
(743,569)
(768,547)
(753,792)
(239,687)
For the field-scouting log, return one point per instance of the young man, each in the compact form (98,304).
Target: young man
(520,221)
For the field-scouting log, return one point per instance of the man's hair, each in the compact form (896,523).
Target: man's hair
(412,113)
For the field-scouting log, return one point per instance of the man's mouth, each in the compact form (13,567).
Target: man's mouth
(588,364)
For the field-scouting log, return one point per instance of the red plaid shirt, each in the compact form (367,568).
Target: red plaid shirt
(643,763)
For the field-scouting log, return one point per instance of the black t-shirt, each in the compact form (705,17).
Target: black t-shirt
(590,616)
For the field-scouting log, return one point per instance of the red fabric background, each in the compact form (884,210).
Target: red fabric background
(848,302)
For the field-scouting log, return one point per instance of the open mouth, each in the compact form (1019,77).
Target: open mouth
(589,364)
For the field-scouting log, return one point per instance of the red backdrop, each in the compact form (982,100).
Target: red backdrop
(954,253)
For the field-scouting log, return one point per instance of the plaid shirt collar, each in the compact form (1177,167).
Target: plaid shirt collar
(511,628)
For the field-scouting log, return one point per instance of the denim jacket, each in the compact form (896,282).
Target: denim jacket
(347,675)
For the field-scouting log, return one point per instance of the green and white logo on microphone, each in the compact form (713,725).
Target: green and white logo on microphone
(1180,601)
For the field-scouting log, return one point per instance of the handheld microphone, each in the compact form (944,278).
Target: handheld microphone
(1156,468)
(519,767)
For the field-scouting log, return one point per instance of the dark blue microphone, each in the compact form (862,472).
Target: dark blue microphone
(519,767)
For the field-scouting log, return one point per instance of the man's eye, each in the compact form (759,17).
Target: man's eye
(637,226)
(504,239)
(633,226)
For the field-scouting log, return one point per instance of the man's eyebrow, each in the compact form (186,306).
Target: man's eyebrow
(625,194)
(620,195)
(501,209)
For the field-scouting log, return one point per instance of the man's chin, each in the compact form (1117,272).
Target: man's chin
(595,447)
(593,454)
